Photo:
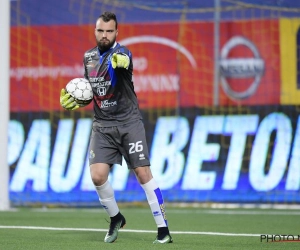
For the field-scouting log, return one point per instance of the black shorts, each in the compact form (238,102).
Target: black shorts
(109,144)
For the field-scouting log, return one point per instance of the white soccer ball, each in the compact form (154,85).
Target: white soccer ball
(81,90)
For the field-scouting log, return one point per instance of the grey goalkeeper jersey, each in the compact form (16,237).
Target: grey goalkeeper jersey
(115,101)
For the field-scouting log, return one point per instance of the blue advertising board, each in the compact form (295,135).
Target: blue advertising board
(195,157)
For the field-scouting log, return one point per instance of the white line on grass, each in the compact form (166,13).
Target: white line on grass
(126,230)
(233,212)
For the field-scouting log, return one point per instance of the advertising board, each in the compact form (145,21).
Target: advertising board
(247,157)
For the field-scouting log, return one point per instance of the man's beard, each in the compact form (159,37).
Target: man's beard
(105,44)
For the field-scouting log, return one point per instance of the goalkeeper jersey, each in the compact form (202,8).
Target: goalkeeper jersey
(115,101)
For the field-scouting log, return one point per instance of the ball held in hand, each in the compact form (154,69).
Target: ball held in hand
(80,89)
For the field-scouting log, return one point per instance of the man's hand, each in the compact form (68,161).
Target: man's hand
(67,101)
(120,61)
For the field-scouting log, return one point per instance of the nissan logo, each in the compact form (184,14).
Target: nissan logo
(240,68)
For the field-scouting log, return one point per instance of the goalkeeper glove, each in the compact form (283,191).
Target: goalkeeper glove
(120,61)
(67,101)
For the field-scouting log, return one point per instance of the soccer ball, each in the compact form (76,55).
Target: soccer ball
(81,90)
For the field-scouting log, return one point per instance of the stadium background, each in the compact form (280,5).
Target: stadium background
(237,141)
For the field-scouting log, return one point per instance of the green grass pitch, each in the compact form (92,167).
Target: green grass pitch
(191,228)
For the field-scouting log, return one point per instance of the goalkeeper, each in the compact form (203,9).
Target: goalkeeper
(117,128)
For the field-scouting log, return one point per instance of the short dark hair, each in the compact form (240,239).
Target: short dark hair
(107,16)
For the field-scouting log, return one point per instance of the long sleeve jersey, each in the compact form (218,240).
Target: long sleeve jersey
(115,101)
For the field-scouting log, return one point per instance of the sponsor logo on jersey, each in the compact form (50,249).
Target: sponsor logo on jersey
(101,91)
(107,104)
(89,58)
(90,54)
(105,83)
(141,157)
(93,79)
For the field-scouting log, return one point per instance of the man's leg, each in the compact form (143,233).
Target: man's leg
(156,203)
(99,174)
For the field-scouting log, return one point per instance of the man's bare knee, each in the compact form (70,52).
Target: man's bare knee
(143,174)
(99,173)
